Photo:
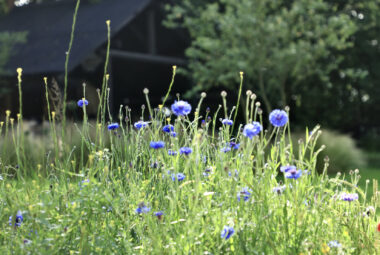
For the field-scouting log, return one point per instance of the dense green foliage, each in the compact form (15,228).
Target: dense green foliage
(319,57)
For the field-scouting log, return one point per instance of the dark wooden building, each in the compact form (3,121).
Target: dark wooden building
(142,51)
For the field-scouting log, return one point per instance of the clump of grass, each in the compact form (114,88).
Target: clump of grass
(340,151)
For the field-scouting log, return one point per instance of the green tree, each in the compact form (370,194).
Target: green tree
(278,44)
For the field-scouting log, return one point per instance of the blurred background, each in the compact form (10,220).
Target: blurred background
(319,57)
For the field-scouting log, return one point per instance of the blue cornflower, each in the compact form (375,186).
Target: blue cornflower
(225,149)
(18,221)
(159,214)
(84,183)
(349,197)
(179,177)
(234,145)
(168,128)
(181,108)
(142,208)
(278,118)
(113,126)
(185,150)
(251,130)
(82,102)
(227,122)
(293,174)
(207,172)
(245,193)
(227,232)
(172,153)
(279,190)
(173,134)
(140,124)
(285,169)
(334,244)
(157,145)
(236,173)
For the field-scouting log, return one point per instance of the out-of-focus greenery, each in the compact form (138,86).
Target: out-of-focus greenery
(341,151)
(320,57)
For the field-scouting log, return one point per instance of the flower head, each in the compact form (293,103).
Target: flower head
(234,145)
(245,193)
(19,219)
(227,232)
(181,108)
(159,214)
(168,128)
(157,145)
(172,153)
(293,174)
(173,134)
(140,124)
(142,208)
(179,177)
(225,149)
(113,126)
(251,130)
(185,150)
(207,172)
(82,102)
(334,244)
(349,197)
(227,122)
(286,169)
(279,189)
(278,118)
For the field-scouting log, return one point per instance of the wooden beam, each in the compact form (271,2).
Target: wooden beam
(143,57)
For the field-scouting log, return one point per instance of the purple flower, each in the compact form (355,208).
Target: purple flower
(236,173)
(349,197)
(334,244)
(245,193)
(185,150)
(84,183)
(293,174)
(181,108)
(142,208)
(18,221)
(279,190)
(227,232)
(157,145)
(285,169)
(159,214)
(168,128)
(179,177)
(207,172)
(225,149)
(172,153)
(140,124)
(278,118)
(234,145)
(113,126)
(82,102)
(251,130)
(227,122)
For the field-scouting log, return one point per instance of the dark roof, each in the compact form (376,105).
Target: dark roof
(49,27)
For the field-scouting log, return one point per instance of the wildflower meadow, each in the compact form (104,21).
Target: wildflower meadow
(180,179)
